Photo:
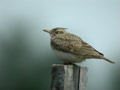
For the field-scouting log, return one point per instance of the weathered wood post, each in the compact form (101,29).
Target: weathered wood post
(68,77)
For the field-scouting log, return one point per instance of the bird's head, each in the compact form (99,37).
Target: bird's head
(56,31)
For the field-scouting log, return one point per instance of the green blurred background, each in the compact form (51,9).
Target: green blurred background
(25,54)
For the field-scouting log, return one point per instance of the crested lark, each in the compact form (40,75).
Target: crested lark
(71,48)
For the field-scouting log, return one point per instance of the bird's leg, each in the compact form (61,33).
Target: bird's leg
(69,63)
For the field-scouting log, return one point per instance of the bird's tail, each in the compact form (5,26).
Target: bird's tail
(108,60)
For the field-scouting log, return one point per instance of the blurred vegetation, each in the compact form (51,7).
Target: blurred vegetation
(20,70)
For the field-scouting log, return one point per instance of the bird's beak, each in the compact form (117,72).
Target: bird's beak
(46,31)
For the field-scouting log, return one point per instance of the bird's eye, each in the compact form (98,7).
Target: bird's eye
(56,32)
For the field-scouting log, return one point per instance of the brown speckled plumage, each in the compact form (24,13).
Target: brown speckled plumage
(73,45)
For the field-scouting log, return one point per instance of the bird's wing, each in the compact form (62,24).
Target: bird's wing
(68,43)
(75,45)
(88,50)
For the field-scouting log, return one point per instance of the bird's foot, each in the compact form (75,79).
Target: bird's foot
(68,63)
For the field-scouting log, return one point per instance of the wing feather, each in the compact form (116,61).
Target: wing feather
(67,43)
(75,45)
(88,50)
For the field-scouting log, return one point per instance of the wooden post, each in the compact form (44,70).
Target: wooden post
(68,77)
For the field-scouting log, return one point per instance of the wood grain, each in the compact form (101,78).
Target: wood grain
(68,77)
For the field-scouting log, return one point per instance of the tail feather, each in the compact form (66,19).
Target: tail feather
(108,60)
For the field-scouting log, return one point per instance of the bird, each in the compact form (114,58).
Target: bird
(71,48)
